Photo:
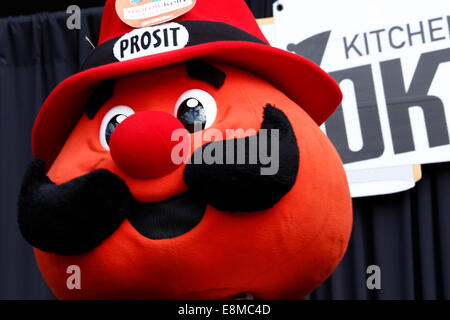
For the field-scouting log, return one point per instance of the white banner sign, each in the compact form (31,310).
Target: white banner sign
(392,61)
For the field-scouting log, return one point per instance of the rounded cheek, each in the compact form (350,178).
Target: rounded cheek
(105,270)
(319,207)
(81,154)
(246,249)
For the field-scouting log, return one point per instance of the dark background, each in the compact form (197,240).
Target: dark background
(261,8)
(406,234)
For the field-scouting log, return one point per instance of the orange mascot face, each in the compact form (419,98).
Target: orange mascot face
(198,179)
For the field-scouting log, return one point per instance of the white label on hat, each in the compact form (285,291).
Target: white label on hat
(155,8)
(144,13)
(151,40)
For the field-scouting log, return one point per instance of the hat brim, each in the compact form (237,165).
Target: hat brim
(300,79)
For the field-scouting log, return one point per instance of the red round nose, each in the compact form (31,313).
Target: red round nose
(142,146)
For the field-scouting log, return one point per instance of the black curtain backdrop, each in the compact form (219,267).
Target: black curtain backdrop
(406,234)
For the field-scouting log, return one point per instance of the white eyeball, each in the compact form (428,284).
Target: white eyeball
(110,122)
(196,109)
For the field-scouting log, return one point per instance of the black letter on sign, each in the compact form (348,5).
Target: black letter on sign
(373,145)
(166,38)
(399,101)
(434,29)
(123,46)
(146,40)
(348,47)
(448,22)
(377,33)
(134,44)
(391,41)
(157,37)
(175,35)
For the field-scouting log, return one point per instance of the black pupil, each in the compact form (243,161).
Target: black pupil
(192,114)
(112,125)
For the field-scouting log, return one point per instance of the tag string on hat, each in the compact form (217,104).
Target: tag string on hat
(90,42)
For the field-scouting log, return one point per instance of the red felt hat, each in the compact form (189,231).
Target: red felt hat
(222,31)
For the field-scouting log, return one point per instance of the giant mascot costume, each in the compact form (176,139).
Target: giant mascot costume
(105,193)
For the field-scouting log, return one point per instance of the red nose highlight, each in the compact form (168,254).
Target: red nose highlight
(141,145)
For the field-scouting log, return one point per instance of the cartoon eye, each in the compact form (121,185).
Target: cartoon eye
(196,109)
(110,122)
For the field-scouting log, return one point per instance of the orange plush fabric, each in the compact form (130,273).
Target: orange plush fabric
(105,194)
(280,253)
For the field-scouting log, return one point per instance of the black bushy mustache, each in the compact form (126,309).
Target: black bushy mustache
(75,217)
(242,187)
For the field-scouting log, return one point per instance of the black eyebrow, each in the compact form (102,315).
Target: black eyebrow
(200,70)
(102,93)
(196,69)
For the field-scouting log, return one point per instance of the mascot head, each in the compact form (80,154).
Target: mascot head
(185,161)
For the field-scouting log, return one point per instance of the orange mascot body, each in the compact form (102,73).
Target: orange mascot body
(123,185)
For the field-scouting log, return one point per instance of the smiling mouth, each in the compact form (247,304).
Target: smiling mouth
(168,219)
